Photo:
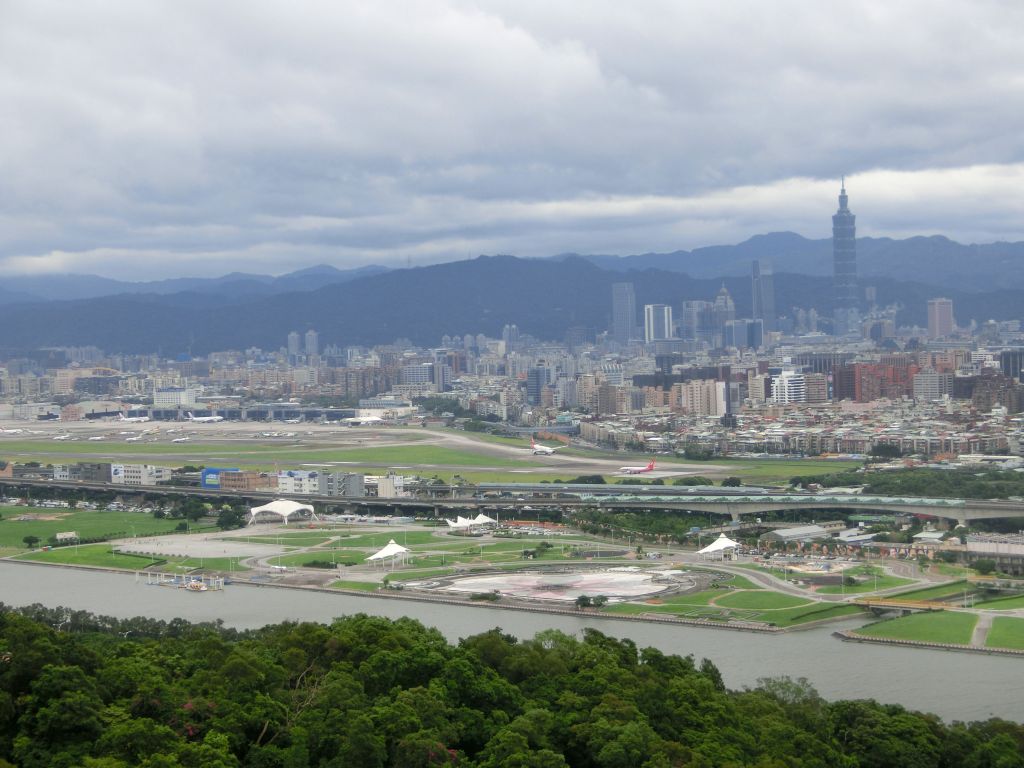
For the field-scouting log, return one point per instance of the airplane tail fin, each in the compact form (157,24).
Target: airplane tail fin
(651,465)
(533,443)
(120,417)
(190,415)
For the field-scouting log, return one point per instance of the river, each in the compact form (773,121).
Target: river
(955,686)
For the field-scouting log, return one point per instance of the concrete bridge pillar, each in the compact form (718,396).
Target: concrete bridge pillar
(962,521)
(734,514)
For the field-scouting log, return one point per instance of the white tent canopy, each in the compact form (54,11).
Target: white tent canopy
(465,522)
(392,551)
(719,548)
(483,519)
(283,508)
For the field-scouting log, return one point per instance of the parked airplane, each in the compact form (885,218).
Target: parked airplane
(543,450)
(63,437)
(11,431)
(363,421)
(204,419)
(98,437)
(181,439)
(132,419)
(293,421)
(637,470)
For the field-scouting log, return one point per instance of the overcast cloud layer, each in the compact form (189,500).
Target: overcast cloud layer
(142,140)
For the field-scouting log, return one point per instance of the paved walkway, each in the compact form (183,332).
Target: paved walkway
(981,629)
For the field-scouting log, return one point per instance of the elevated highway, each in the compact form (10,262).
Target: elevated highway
(734,503)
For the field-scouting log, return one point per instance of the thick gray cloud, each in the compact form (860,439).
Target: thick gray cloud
(157,139)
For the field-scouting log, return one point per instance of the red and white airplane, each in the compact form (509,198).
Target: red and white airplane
(543,450)
(637,470)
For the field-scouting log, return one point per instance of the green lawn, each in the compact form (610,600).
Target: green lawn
(339,557)
(378,540)
(88,524)
(361,586)
(935,627)
(778,471)
(1003,603)
(91,554)
(761,599)
(1006,632)
(938,592)
(733,580)
(417,575)
(791,617)
(874,578)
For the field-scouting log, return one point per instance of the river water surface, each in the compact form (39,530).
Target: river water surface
(956,686)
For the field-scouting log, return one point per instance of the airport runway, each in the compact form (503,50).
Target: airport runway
(113,441)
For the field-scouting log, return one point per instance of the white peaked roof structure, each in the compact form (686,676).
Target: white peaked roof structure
(465,522)
(392,551)
(283,508)
(721,548)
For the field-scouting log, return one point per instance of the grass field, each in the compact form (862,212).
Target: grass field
(874,579)
(1006,632)
(937,593)
(339,557)
(733,580)
(935,627)
(91,554)
(761,599)
(88,524)
(361,586)
(1003,603)
(285,539)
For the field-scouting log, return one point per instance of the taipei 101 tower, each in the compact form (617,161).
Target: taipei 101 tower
(846,317)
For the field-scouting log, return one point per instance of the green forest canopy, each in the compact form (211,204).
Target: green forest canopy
(366,691)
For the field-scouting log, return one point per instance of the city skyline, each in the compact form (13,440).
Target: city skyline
(336,136)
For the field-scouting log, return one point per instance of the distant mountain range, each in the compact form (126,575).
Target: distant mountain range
(938,260)
(544,297)
(232,287)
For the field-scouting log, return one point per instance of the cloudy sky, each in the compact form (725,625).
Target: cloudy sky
(153,139)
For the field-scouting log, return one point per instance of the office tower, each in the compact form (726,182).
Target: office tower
(623,312)
(846,317)
(940,318)
(1011,362)
(510,335)
(294,344)
(657,322)
(697,320)
(763,285)
(723,311)
(312,343)
(744,334)
(789,387)
(536,380)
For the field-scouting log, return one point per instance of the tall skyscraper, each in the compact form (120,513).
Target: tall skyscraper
(763,287)
(657,322)
(623,312)
(940,318)
(312,343)
(846,316)
(294,340)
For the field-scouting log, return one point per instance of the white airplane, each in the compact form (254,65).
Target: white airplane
(133,439)
(543,450)
(293,421)
(637,470)
(132,419)
(63,437)
(11,431)
(204,419)
(181,439)
(98,437)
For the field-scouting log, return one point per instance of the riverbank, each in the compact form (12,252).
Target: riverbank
(851,636)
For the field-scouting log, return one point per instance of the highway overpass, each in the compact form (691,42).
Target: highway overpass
(735,503)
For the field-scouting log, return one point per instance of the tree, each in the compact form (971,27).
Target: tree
(583,601)
(732,482)
(230,517)
(599,601)
(31,541)
(984,566)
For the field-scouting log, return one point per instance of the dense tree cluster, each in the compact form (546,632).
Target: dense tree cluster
(941,483)
(79,690)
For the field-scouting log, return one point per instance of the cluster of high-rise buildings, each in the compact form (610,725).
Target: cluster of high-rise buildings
(699,358)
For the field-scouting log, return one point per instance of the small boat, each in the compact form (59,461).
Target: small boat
(196,586)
